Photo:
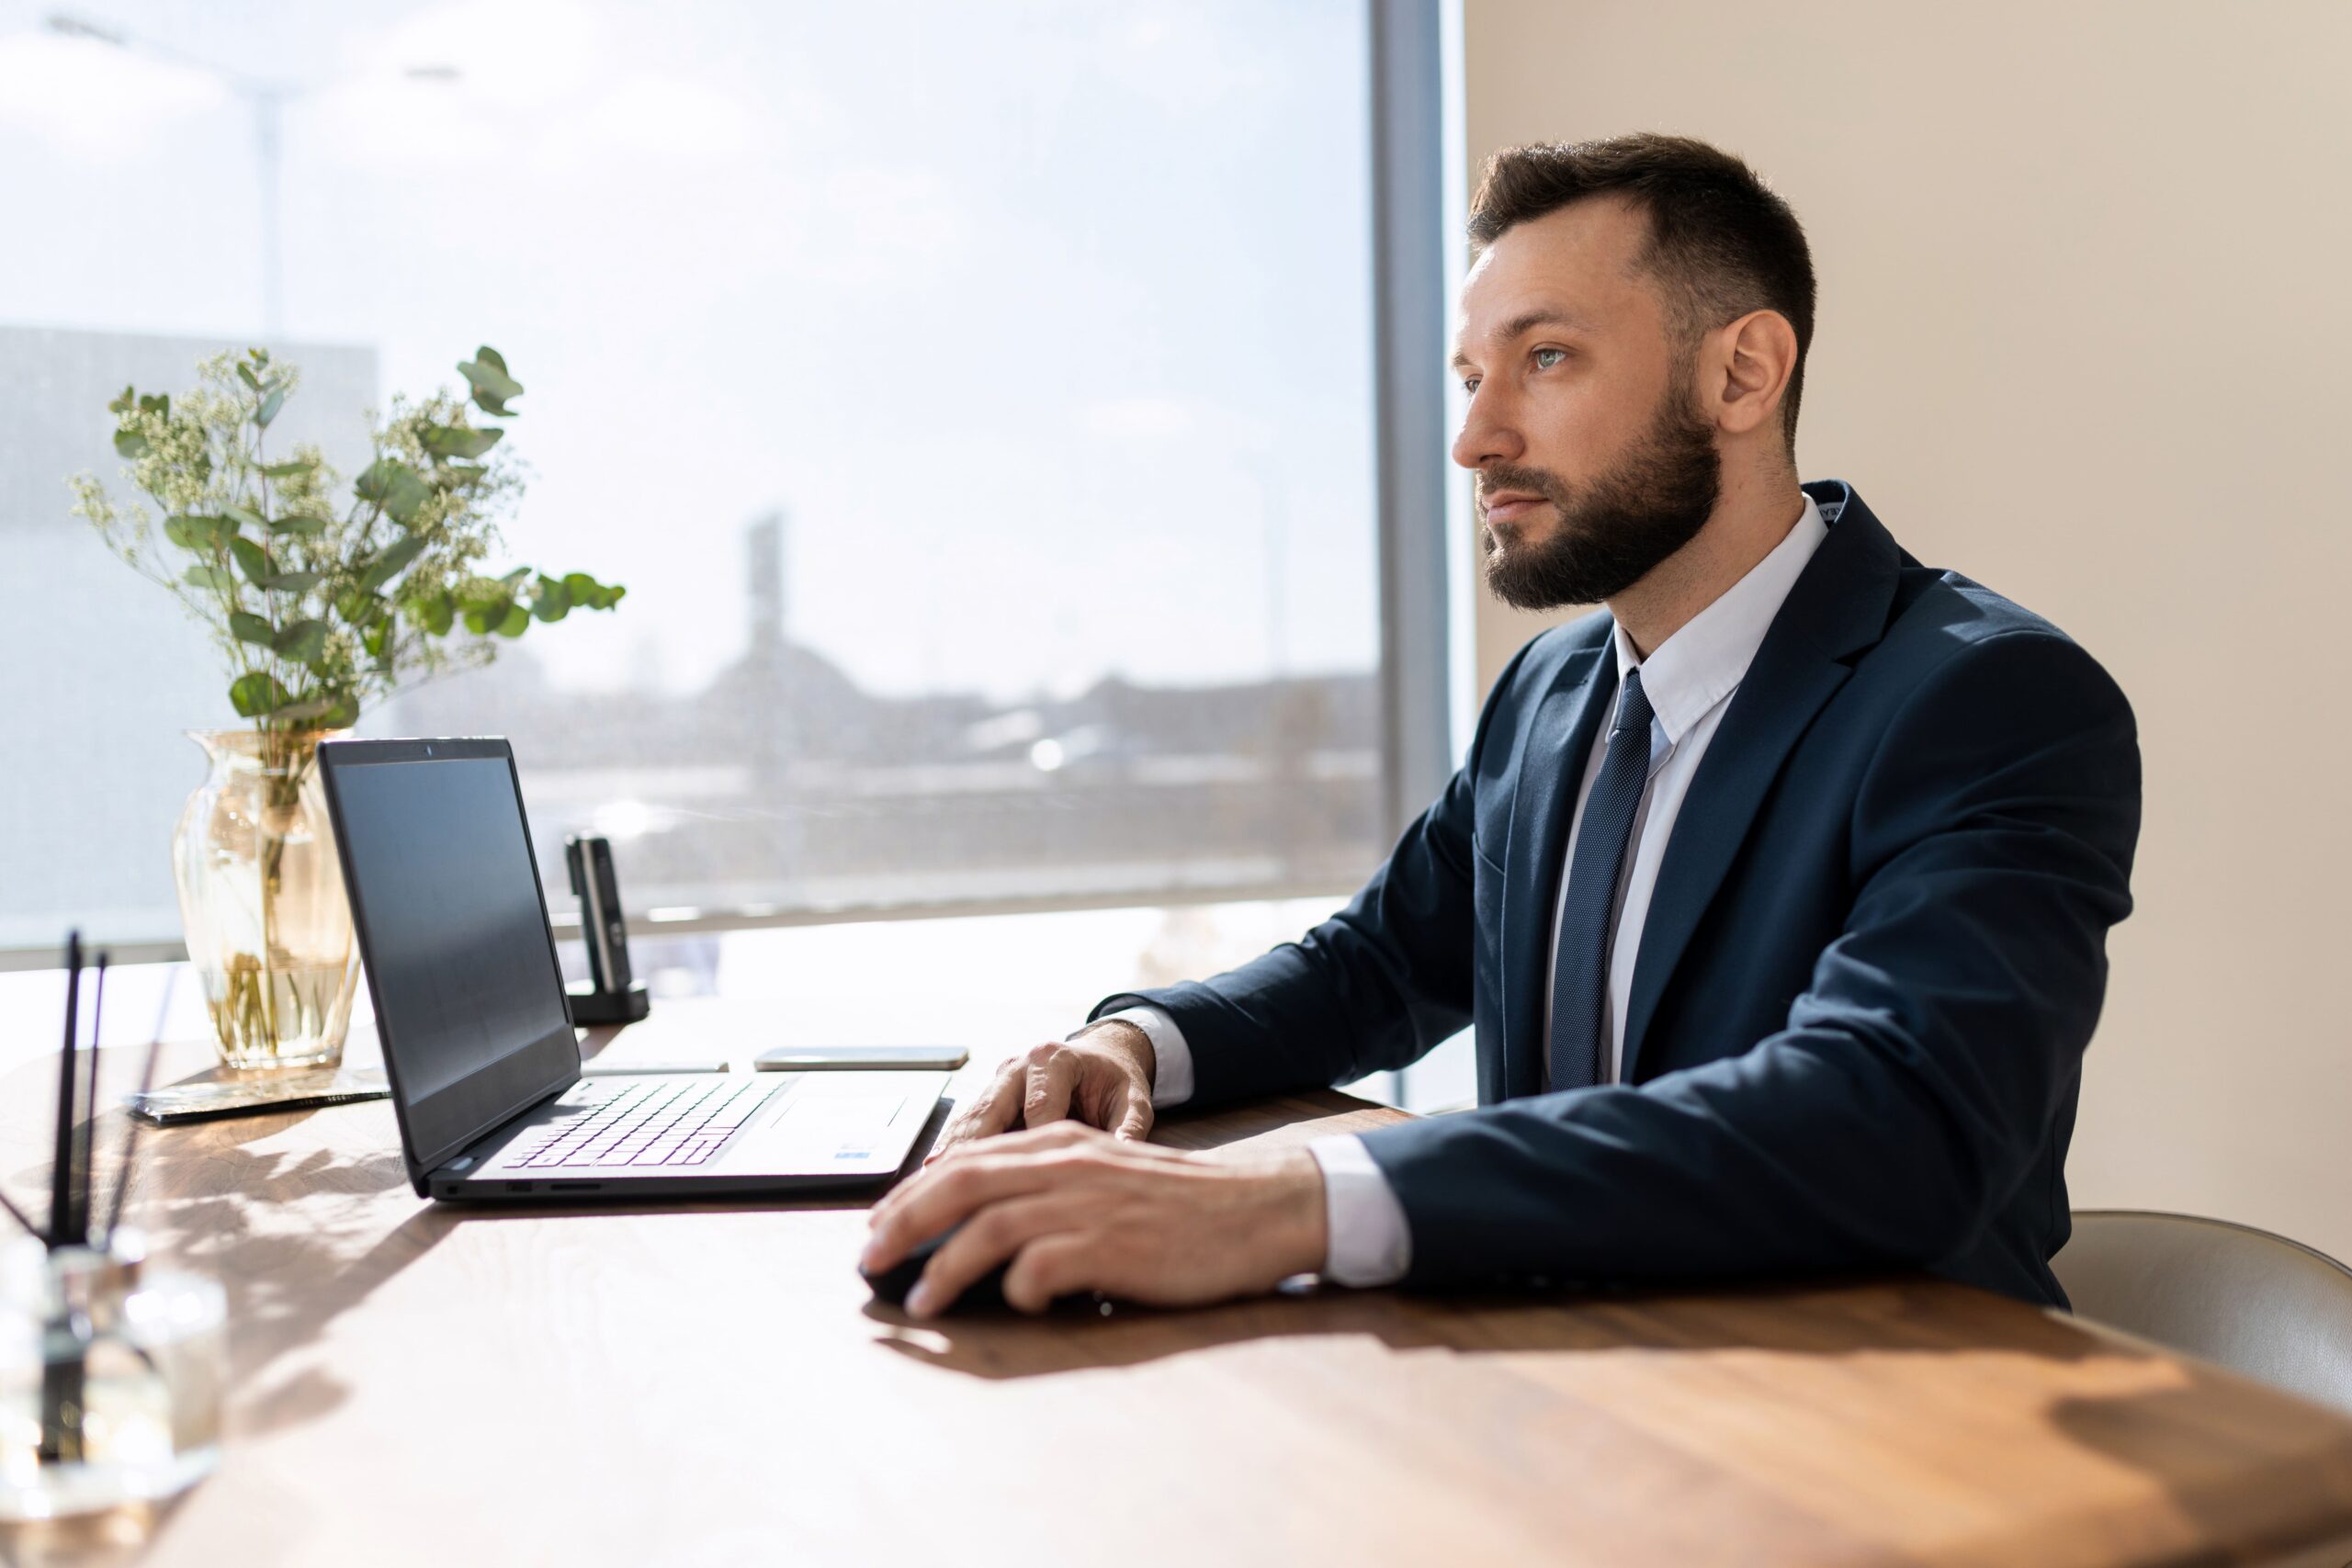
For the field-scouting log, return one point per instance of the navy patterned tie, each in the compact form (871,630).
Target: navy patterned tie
(1580,972)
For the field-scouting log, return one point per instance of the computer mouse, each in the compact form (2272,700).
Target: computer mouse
(891,1285)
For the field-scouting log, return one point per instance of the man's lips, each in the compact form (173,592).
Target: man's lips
(1507,504)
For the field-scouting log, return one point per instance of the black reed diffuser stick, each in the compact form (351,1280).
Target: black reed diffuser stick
(60,1180)
(86,1174)
(65,1378)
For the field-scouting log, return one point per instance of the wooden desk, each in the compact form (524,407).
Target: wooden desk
(415,1384)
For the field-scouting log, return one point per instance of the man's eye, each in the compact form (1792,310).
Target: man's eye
(1548,357)
(1470,385)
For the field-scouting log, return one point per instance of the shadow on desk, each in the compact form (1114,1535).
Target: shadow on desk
(1840,1316)
(297,1239)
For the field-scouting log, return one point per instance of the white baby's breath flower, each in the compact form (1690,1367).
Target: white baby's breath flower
(91,501)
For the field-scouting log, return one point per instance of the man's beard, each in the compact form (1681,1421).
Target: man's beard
(1614,529)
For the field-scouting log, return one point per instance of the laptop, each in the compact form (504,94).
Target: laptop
(477,1034)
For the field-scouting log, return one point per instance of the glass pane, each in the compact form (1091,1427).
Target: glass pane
(974,399)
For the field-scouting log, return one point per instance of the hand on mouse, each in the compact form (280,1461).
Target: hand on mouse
(1103,1077)
(1075,1210)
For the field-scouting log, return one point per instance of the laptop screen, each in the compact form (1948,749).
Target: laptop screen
(468,999)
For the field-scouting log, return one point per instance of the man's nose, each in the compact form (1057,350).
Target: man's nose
(1488,435)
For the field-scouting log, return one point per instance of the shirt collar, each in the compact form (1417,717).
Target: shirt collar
(1702,663)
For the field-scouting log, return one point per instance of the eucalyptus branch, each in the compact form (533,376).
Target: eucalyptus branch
(355,600)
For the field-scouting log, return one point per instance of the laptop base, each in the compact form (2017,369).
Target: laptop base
(448,1187)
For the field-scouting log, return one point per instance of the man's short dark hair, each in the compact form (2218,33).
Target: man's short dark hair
(1721,243)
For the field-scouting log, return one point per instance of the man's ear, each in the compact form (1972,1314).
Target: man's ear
(1753,358)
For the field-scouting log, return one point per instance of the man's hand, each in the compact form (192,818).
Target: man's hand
(1077,1210)
(1103,1077)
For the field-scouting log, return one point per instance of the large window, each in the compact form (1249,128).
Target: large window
(975,400)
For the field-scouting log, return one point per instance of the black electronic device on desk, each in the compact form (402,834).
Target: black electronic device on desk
(612,994)
(483,1061)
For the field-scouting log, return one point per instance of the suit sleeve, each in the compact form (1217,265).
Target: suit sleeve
(1917,1075)
(1371,990)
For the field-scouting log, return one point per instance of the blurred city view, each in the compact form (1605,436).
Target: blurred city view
(782,785)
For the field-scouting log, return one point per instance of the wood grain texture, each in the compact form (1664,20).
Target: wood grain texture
(710,1384)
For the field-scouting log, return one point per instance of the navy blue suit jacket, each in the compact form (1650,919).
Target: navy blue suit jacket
(1873,958)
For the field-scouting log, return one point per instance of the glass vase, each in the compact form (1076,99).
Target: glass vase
(261,901)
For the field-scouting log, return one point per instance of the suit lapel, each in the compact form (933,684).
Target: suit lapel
(1550,766)
(1838,607)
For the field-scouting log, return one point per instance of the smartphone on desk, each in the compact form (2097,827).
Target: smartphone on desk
(825,1058)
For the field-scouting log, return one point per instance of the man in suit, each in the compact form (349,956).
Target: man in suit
(1777,894)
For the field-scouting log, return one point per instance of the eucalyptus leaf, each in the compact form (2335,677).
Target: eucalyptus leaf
(483,619)
(125,403)
(251,628)
(394,486)
(435,614)
(375,481)
(246,515)
(553,601)
(292,581)
(198,533)
(492,386)
(587,592)
(377,639)
(218,578)
(287,471)
(129,444)
(269,407)
(309,707)
(252,561)
(360,606)
(256,694)
(390,565)
(407,498)
(517,622)
(245,374)
(452,440)
(156,403)
(299,524)
(304,641)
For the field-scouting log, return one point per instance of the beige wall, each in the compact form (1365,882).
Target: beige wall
(2086,280)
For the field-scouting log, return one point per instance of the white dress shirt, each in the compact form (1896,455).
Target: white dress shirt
(1689,678)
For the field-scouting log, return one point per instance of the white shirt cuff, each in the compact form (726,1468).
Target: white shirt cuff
(1171,1070)
(1370,1242)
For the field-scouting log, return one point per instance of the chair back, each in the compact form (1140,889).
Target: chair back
(2257,1303)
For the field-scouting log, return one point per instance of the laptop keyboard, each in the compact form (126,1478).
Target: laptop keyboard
(656,1123)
